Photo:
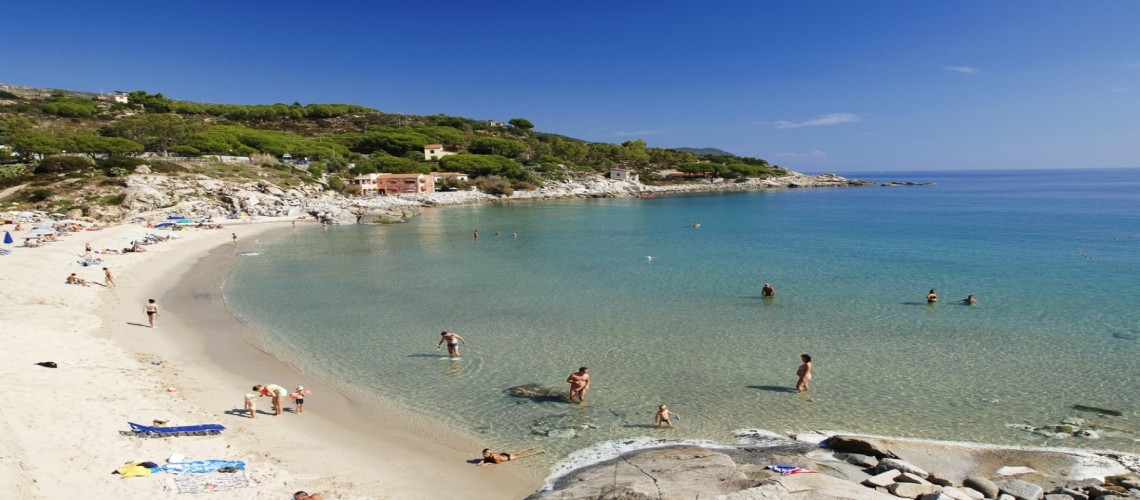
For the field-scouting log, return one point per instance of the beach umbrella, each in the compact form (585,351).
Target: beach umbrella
(7,238)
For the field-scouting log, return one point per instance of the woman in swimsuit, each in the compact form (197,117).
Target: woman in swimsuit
(931,297)
(151,312)
(804,372)
(490,457)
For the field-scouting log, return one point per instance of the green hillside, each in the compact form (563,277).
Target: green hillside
(46,134)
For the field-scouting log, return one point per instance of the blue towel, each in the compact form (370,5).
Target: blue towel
(199,466)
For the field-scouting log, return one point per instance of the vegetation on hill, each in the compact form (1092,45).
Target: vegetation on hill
(48,134)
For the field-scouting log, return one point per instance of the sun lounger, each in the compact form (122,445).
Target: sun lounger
(185,430)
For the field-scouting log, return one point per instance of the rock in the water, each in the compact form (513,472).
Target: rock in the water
(536,392)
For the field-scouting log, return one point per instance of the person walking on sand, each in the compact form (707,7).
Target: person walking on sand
(491,458)
(453,340)
(273,391)
(931,297)
(234,236)
(108,279)
(151,312)
(664,417)
(804,373)
(579,383)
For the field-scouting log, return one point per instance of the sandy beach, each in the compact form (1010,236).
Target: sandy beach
(60,435)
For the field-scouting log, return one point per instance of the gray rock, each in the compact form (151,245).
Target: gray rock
(1058,496)
(861,460)
(849,444)
(974,494)
(1021,490)
(907,477)
(883,479)
(801,486)
(901,465)
(956,493)
(1130,480)
(1088,434)
(673,472)
(912,490)
(1072,493)
(983,486)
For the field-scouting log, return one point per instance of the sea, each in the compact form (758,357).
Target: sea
(660,299)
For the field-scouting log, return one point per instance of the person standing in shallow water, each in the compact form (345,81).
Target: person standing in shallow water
(768,290)
(932,296)
(579,383)
(804,373)
(453,339)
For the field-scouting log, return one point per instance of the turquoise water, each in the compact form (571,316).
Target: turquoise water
(1052,257)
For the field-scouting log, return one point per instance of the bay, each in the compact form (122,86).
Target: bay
(660,299)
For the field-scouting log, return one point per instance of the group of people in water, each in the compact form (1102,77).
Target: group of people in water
(932,297)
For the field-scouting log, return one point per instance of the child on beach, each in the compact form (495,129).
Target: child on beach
(664,417)
(299,399)
(251,404)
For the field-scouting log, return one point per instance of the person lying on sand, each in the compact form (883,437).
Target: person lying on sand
(490,458)
(76,280)
(301,495)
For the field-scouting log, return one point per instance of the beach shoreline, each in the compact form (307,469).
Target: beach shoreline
(113,369)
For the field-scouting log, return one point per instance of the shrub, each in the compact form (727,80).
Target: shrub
(494,185)
(63,165)
(39,195)
(166,167)
(113,199)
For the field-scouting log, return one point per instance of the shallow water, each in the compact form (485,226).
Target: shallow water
(1051,256)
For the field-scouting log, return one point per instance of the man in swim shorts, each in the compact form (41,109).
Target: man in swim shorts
(453,339)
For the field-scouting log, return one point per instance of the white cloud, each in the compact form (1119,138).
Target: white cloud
(824,120)
(815,153)
(961,69)
(635,132)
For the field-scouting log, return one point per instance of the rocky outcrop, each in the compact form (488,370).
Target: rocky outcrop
(914,469)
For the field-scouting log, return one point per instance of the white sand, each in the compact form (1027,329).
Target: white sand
(60,428)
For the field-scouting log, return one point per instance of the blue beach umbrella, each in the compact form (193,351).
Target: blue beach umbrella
(7,238)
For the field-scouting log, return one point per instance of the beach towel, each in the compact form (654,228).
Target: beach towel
(208,483)
(200,466)
(786,470)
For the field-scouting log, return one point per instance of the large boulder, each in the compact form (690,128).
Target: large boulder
(673,472)
(849,444)
(1021,490)
(806,487)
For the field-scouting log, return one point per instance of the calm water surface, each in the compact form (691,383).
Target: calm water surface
(1052,256)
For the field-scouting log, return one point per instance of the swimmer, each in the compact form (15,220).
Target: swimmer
(490,458)
(931,297)
(768,290)
(970,300)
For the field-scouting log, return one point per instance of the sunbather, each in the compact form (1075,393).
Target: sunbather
(490,457)
(76,280)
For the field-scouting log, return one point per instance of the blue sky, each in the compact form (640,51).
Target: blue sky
(811,85)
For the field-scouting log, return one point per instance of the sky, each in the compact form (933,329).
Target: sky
(815,86)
